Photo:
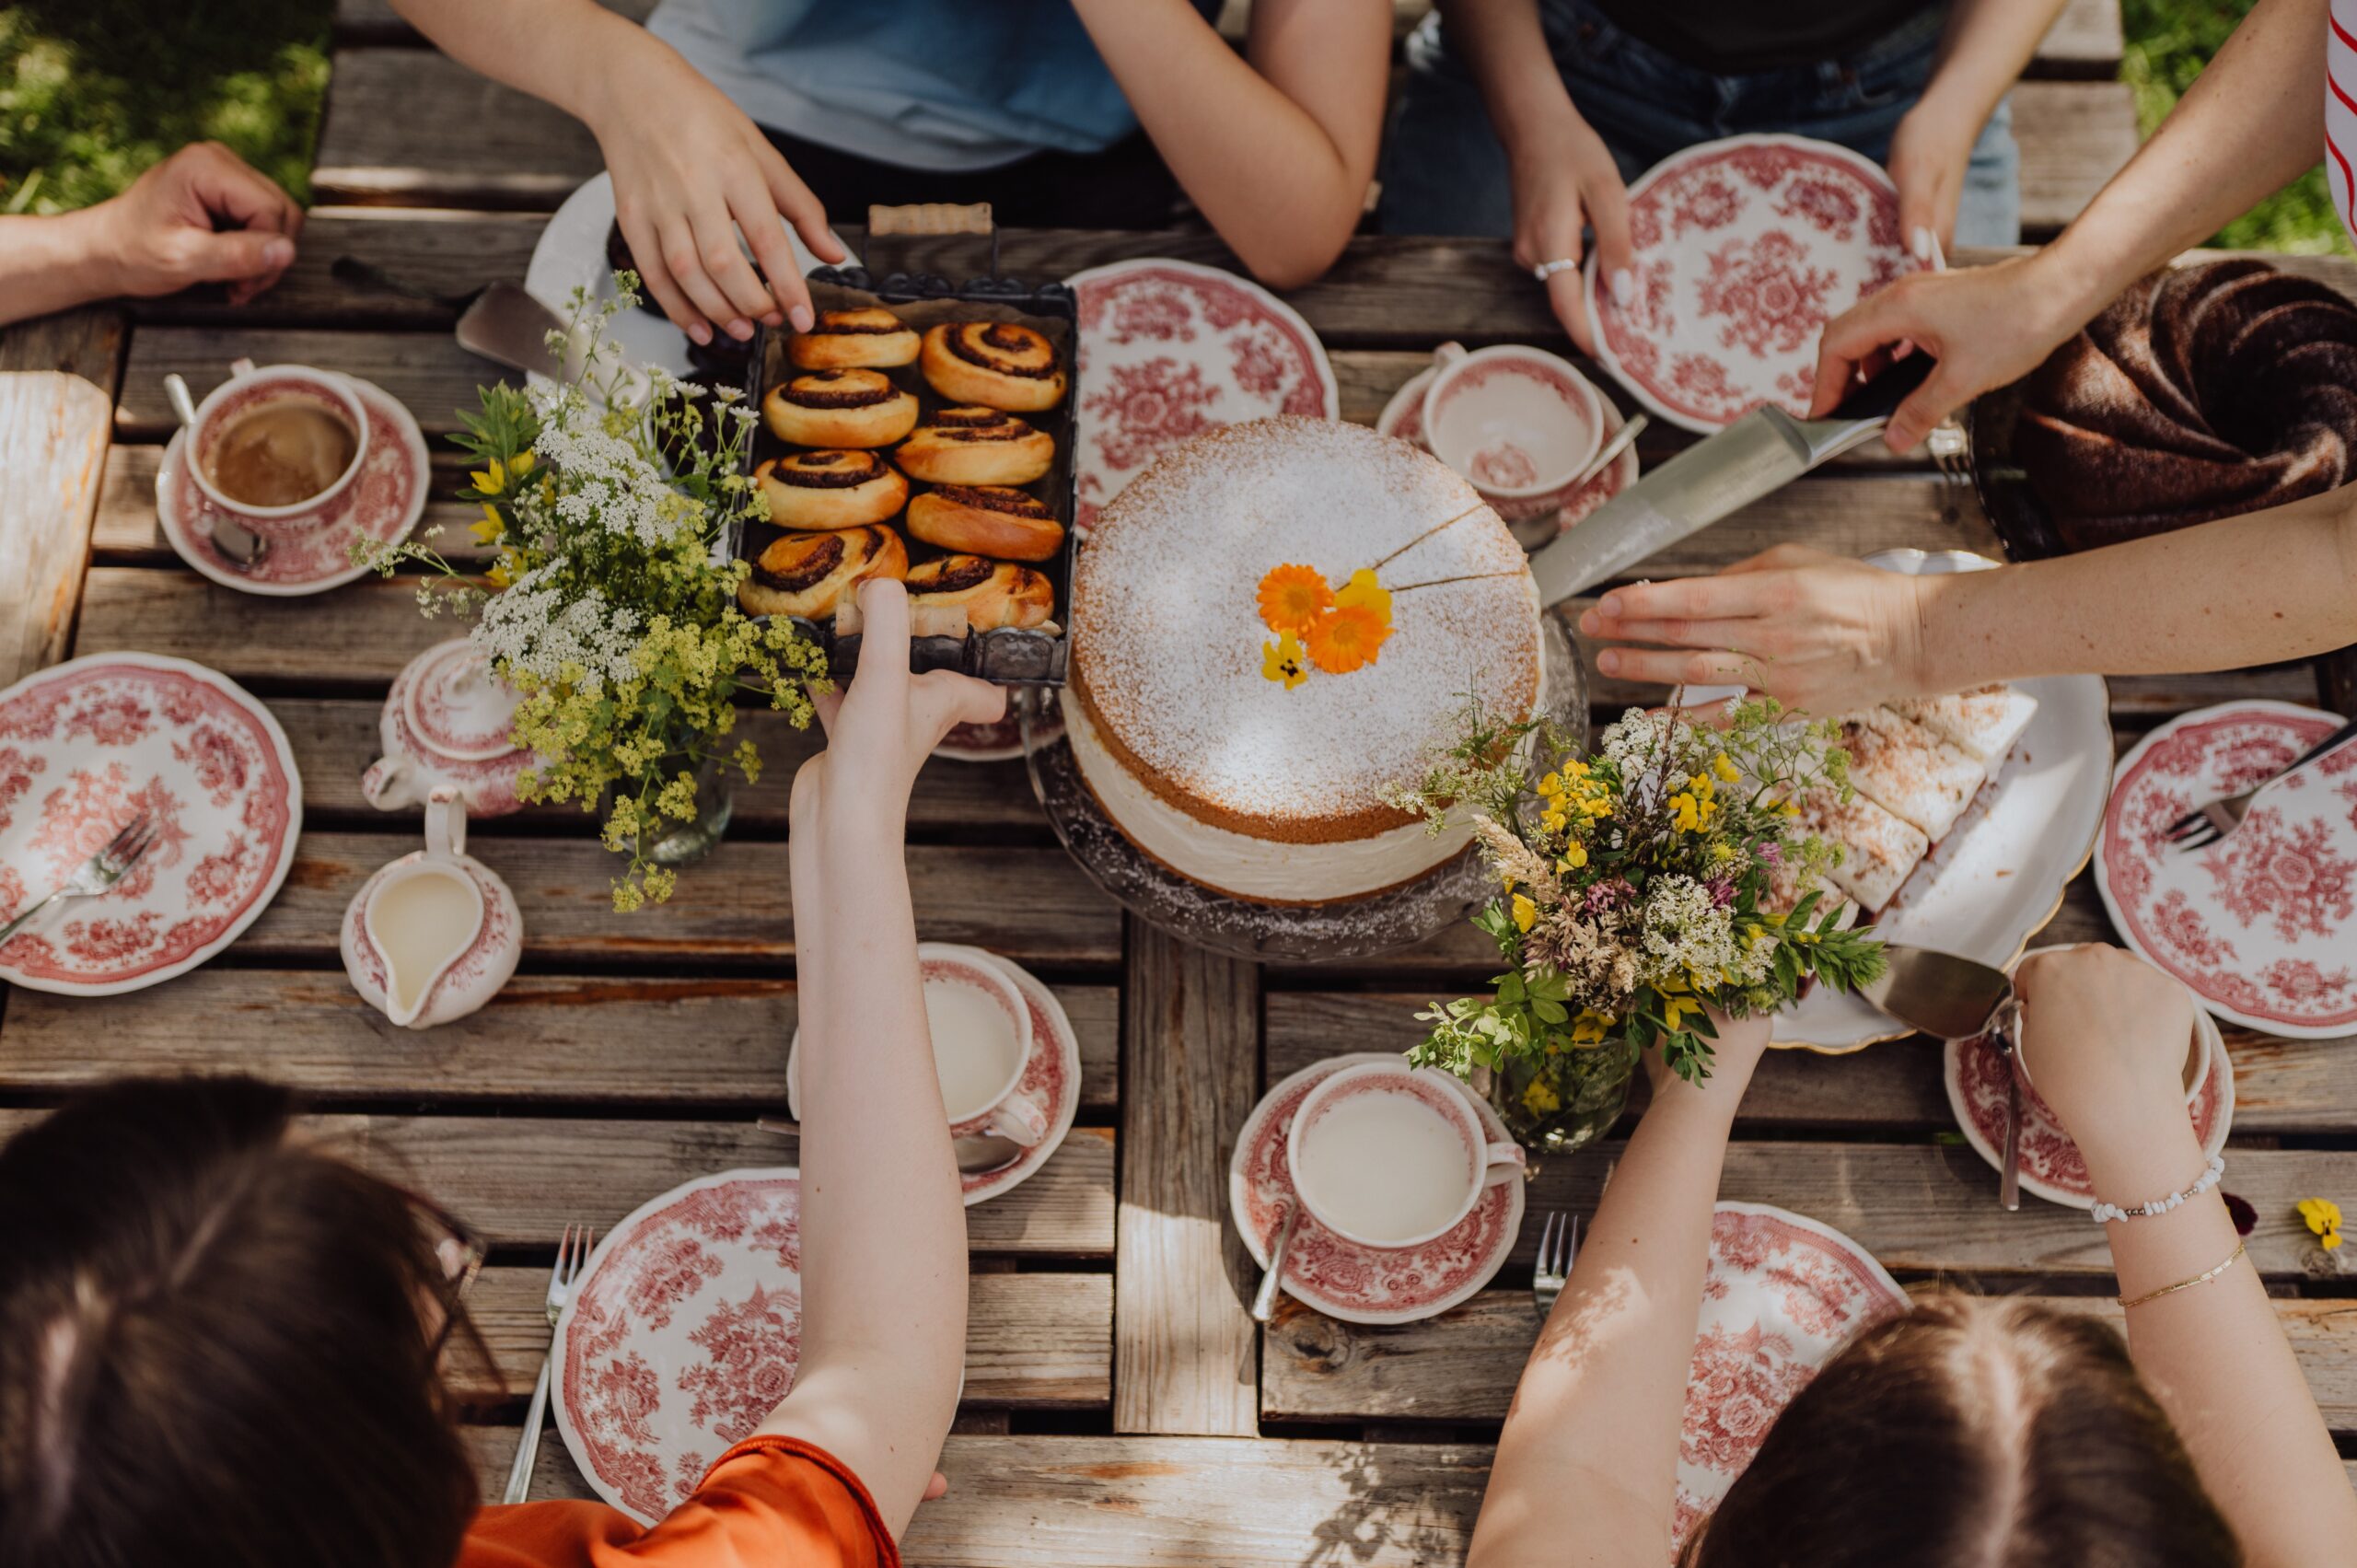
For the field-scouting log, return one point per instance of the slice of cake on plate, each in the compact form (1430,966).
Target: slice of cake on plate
(1911,772)
(1878,851)
(1985,722)
(1271,789)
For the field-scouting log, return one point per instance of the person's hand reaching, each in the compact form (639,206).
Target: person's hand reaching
(202,215)
(1929,153)
(883,725)
(1564,182)
(690,172)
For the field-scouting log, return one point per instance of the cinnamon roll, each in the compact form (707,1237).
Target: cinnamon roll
(976,445)
(833,489)
(996,364)
(986,520)
(868,338)
(993,593)
(840,408)
(809,574)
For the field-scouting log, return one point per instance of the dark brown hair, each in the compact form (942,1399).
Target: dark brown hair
(1972,1434)
(211,1351)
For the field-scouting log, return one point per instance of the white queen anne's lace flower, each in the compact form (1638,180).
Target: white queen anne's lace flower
(1687,932)
(538,633)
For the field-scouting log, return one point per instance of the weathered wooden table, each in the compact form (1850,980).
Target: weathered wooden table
(1121,1407)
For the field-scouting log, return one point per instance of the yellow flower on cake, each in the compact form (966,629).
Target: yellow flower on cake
(2323,1216)
(1345,638)
(1293,598)
(1282,661)
(1365,592)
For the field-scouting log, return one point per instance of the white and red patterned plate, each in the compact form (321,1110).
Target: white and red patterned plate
(382,503)
(86,745)
(2262,925)
(1404,416)
(1051,1077)
(1975,1072)
(1169,350)
(1341,1279)
(682,1335)
(1782,1296)
(1745,249)
(1992,883)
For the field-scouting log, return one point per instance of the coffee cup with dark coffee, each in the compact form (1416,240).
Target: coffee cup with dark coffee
(274,444)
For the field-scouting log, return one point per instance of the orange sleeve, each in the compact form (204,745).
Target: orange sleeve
(769,1503)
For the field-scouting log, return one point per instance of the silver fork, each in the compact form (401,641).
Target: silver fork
(2205,825)
(1559,1248)
(571,1256)
(96,875)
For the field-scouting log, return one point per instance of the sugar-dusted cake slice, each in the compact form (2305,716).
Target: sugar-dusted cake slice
(1910,771)
(1985,722)
(1878,851)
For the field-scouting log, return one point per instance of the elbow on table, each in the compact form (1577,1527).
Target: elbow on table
(1299,253)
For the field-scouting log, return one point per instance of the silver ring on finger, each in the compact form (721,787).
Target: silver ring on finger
(1546,269)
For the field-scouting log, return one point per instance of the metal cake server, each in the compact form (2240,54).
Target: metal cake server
(1956,998)
(1761,452)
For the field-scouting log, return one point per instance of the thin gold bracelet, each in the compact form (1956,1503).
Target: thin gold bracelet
(2202,1278)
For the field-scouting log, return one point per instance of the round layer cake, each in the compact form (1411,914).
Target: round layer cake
(1228,777)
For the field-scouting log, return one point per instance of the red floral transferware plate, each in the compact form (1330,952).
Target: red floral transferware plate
(382,503)
(681,1337)
(87,745)
(1169,350)
(2262,925)
(1745,249)
(1975,1073)
(1782,1296)
(1342,1279)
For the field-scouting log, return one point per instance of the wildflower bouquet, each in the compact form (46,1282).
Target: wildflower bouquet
(1638,888)
(610,605)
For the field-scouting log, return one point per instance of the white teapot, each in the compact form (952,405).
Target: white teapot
(445,725)
(433,936)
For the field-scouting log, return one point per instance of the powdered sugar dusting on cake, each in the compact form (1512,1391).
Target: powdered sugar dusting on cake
(1168,637)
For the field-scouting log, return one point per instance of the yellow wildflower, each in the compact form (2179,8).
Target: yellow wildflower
(1575,856)
(523,463)
(1551,785)
(1685,812)
(1363,589)
(1588,1028)
(1724,768)
(1282,661)
(2324,1218)
(490,481)
(490,528)
(1526,913)
(1540,1100)
(1553,821)
(1675,1008)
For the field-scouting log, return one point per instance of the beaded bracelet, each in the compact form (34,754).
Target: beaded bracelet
(2209,1178)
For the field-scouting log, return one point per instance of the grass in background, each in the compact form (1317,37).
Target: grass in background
(94,91)
(2168,42)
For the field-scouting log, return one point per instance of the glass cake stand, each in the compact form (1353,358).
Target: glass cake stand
(1333,932)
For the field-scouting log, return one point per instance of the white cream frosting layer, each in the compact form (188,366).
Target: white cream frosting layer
(1269,869)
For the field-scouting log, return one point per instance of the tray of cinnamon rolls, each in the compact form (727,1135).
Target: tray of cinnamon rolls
(920,430)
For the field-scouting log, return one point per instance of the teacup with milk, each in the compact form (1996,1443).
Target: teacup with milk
(273,445)
(1390,1155)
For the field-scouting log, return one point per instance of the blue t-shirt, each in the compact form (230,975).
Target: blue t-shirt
(929,84)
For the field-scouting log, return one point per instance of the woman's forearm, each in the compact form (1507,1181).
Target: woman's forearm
(883,1226)
(1590,1453)
(2215,1356)
(1981,55)
(2275,585)
(2247,127)
(1278,152)
(1503,45)
(561,51)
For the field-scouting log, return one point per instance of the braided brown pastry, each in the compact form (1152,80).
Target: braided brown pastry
(2200,393)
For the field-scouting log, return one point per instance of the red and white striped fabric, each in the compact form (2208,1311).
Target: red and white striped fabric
(2341,111)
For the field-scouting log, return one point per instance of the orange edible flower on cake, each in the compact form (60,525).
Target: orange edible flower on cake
(1280,661)
(1346,638)
(1291,598)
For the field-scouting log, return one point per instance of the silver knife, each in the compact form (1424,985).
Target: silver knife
(1761,452)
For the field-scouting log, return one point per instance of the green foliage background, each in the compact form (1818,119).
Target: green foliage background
(94,91)
(2168,42)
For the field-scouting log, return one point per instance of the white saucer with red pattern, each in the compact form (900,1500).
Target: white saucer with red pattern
(1783,1297)
(682,1334)
(2262,925)
(1169,350)
(1342,1279)
(1051,1077)
(88,747)
(1975,1073)
(1746,247)
(1404,416)
(382,504)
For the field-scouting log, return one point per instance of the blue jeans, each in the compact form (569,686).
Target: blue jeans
(1444,172)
